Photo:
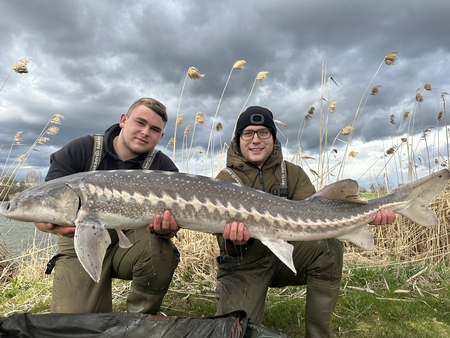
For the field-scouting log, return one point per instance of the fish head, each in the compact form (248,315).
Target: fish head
(53,202)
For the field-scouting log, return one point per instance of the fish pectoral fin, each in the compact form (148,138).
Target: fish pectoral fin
(283,250)
(362,238)
(91,241)
(124,242)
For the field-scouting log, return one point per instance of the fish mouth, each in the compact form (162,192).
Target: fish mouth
(5,208)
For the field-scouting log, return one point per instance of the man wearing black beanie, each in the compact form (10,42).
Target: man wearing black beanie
(247,268)
(255,116)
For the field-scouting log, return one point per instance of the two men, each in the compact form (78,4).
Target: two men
(151,261)
(246,267)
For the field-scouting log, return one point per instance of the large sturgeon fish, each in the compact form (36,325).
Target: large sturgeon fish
(118,199)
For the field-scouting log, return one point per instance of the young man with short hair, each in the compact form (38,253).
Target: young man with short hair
(151,261)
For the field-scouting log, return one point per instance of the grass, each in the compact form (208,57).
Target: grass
(377,299)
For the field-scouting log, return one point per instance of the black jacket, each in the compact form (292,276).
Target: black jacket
(76,157)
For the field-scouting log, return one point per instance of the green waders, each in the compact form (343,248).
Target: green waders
(244,281)
(149,264)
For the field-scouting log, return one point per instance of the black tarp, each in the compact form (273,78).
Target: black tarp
(121,325)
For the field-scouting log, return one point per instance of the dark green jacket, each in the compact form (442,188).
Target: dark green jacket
(267,179)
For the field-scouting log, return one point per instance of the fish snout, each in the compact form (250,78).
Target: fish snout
(4,209)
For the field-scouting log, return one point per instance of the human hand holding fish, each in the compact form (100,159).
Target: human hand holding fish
(236,232)
(164,226)
(383,217)
(60,230)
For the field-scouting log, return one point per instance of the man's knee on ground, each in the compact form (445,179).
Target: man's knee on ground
(328,262)
(153,270)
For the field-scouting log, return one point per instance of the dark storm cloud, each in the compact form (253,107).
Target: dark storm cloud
(91,60)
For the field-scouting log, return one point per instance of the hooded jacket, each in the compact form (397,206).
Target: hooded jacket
(267,179)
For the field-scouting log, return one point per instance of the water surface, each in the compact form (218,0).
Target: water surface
(20,238)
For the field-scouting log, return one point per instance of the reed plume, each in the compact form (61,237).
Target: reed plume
(332,106)
(261,76)
(19,67)
(43,140)
(179,121)
(346,130)
(375,90)
(17,137)
(194,74)
(391,58)
(239,64)
(391,119)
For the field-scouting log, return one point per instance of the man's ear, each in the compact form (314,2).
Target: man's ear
(122,120)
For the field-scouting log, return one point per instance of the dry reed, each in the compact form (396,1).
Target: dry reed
(194,74)
(237,65)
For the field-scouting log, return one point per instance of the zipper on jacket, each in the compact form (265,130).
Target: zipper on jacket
(263,188)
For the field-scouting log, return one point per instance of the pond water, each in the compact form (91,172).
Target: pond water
(20,238)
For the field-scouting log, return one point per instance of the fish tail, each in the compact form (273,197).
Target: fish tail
(419,194)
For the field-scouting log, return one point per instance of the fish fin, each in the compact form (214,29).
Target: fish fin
(91,241)
(283,250)
(346,190)
(422,193)
(124,242)
(362,238)
(420,214)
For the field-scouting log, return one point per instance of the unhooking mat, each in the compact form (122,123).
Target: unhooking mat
(124,325)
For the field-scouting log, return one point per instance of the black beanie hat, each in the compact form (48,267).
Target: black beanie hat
(255,115)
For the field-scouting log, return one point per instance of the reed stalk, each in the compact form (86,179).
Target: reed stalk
(237,65)
(194,74)
(389,60)
(259,77)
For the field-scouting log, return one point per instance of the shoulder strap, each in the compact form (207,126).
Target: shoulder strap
(97,152)
(149,160)
(284,187)
(233,175)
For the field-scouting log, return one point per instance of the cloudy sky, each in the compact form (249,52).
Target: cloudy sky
(93,59)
